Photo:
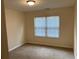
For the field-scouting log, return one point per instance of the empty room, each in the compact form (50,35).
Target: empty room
(40,29)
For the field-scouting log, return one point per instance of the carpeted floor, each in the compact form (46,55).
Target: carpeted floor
(40,52)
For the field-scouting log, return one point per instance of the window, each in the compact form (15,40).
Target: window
(47,26)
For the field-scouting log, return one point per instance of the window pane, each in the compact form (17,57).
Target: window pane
(39,22)
(39,32)
(53,21)
(53,33)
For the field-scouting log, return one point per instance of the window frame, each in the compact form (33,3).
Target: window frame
(46,28)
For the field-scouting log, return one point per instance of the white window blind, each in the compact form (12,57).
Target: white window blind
(47,26)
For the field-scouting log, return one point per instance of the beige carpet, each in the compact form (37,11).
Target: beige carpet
(40,52)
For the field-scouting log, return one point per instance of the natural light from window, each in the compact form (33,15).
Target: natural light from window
(47,26)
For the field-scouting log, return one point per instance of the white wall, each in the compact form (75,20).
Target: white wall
(66,27)
(15,28)
(75,30)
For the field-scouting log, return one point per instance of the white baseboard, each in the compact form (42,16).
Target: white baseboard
(16,47)
(64,46)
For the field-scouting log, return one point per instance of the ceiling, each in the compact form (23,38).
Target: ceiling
(39,5)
